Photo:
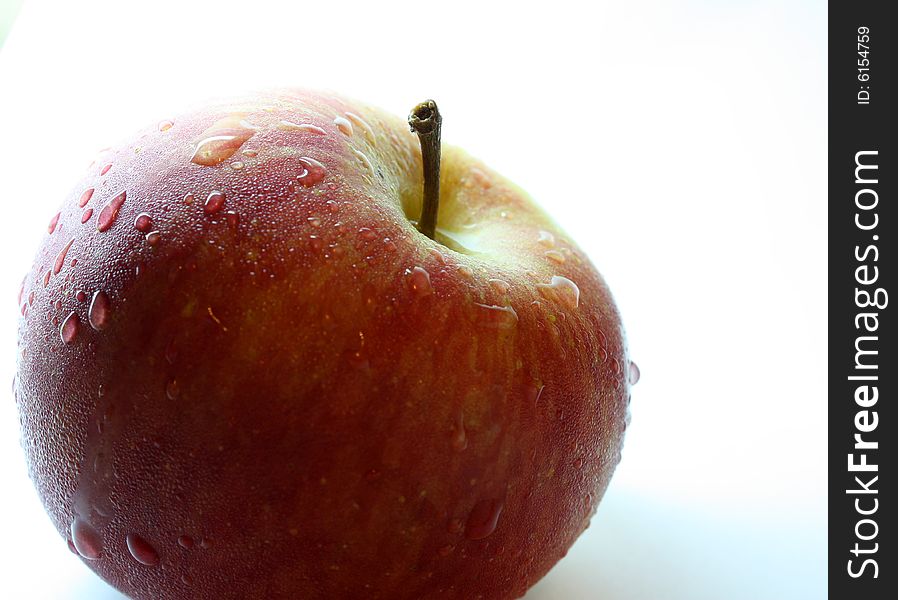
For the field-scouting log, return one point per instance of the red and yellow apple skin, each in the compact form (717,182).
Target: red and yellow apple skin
(289,392)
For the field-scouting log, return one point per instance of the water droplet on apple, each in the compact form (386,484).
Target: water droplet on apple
(446,550)
(555,256)
(47,278)
(314,221)
(214,203)
(483,519)
(233,220)
(86,540)
(419,282)
(71,546)
(459,435)
(220,141)
(633,373)
(343,125)
(60,258)
(237,165)
(500,286)
(186,542)
(533,392)
(496,317)
(363,158)
(313,172)
(316,243)
(110,212)
(85,197)
(172,389)
(165,125)
(70,327)
(106,169)
(52,226)
(546,239)
(143,223)
(86,215)
(562,290)
(307,127)
(99,311)
(153,238)
(367,234)
(465,271)
(141,550)
(188,199)
(360,122)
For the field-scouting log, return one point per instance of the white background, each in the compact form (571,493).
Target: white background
(682,144)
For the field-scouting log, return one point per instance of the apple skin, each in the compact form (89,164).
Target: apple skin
(298,395)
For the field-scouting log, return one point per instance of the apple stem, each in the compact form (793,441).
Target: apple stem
(425,120)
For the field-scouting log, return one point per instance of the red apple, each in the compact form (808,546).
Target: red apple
(245,373)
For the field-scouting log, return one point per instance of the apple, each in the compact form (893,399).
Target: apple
(244,371)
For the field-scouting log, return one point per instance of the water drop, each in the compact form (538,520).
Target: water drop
(106,169)
(316,243)
(153,238)
(562,290)
(110,212)
(171,351)
(367,234)
(314,221)
(465,271)
(214,203)
(363,159)
(172,389)
(533,392)
(483,519)
(233,220)
(86,215)
(359,121)
(633,373)
(85,197)
(220,141)
(47,277)
(419,282)
(237,165)
(459,435)
(143,223)
(186,542)
(86,540)
(141,550)
(496,317)
(313,171)
(60,258)
(500,286)
(52,226)
(188,199)
(343,125)
(446,550)
(437,255)
(308,127)
(546,239)
(165,125)
(555,256)
(99,311)
(81,296)
(69,329)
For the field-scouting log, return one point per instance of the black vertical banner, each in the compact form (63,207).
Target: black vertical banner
(863,372)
